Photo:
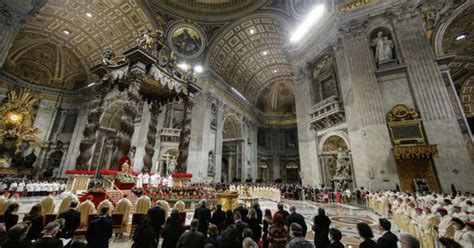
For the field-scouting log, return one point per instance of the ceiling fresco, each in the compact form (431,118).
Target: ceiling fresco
(35,59)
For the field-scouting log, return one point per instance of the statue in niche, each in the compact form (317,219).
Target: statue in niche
(343,170)
(171,166)
(210,165)
(323,66)
(383,48)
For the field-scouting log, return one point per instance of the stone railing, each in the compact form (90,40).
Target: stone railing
(170,135)
(327,113)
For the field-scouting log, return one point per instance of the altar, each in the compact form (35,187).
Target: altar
(229,201)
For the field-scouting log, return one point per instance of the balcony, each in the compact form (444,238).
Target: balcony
(327,113)
(170,135)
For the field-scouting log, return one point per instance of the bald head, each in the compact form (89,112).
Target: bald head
(292,209)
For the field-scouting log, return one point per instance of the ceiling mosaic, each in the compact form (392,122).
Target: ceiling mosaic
(249,54)
(35,59)
(206,10)
(87,26)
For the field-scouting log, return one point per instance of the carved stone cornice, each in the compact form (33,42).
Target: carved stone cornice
(354,28)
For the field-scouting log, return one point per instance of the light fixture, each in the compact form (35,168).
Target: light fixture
(91,84)
(252,31)
(89,15)
(462,36)
(308,22)
(275,71)
(264,52)
(183,66)
(66,32)
(198,69)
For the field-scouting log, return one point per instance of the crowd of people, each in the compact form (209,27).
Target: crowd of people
(26,187)
(431,218)
(424,220)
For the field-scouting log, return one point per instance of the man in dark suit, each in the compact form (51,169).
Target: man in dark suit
(282,211)
(321,225)
(203,214)
(218,216)
(72,220)
(388,239)
(257,208)
(192,238)
(295,217)
(100,230)
(239,225)
(242,210)
(48,240)
(157,218)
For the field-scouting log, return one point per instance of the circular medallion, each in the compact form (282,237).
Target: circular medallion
(187,40)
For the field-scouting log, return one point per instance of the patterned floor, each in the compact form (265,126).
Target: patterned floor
(344,217)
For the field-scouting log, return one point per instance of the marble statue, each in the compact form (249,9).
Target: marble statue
(210,165)
(383,48)
(145,40)
(108,56)
(342,165)
(171,166)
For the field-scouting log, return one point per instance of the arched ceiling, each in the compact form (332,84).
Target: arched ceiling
(464,22)
(35,59)
(276,99)
(250,60)
(463,65)
(87,26)
(206,10)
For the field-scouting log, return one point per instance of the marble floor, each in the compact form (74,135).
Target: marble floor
(343,217)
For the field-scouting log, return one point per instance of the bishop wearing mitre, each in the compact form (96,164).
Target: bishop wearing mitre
(86,208)
(123,208)
(66,202)
(143,205)
(47,204)
(106,203)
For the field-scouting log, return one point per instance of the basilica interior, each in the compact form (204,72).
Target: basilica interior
(361,93)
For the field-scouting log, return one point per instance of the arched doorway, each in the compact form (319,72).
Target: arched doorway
(331,148)
(232,150)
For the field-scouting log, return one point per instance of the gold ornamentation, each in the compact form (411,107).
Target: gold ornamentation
(19,112)
(145,40)
(416,151)
(401,112)
(355,4)
(334,143)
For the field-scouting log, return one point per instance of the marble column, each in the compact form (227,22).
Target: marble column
(374,166)
(198,138)
(69,162)
(432,101)
(309,162)
(219,140)
(275,151)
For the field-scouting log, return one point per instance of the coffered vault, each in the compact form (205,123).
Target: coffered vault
(249,55)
